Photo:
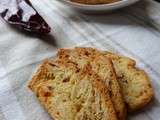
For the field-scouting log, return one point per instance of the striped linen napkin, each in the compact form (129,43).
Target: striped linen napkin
(133,31)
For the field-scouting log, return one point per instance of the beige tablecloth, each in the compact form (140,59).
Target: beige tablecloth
(133,31)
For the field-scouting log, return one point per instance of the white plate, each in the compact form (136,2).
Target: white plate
(100,7)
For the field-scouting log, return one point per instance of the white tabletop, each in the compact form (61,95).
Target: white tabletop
(133,31)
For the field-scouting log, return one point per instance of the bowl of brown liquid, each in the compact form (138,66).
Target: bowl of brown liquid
(98,5)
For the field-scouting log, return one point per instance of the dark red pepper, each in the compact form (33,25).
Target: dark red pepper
(21,13)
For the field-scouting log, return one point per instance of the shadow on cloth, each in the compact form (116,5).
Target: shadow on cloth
(134,15)
(48,38)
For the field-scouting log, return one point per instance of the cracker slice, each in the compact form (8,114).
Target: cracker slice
(70,93)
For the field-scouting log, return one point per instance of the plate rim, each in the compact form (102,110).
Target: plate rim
(114,5)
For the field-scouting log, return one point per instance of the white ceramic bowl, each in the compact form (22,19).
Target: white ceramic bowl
(99,7)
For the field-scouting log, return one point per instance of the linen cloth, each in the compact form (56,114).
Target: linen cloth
(133,31)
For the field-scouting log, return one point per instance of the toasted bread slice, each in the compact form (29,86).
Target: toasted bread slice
(70,93)
(135,83)
(94,1)
(103,67)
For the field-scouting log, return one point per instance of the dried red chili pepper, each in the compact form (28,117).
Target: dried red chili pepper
(22,14)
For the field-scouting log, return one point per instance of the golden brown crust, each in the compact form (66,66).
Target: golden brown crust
(55,80)
(103,67)
(41,70)
(135,83)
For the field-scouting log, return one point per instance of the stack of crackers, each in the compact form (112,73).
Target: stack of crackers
(89,84)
